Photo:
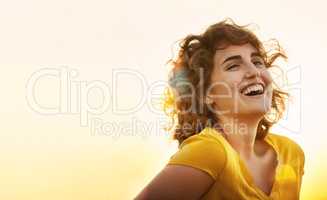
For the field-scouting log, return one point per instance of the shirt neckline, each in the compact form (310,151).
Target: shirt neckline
(247,173)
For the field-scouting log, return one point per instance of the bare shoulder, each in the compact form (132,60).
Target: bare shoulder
(177,182)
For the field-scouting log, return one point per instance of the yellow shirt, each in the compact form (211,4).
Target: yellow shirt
(210,152)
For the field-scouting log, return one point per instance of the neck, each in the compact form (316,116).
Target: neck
(240,132)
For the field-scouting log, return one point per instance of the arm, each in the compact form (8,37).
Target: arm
(177,182)
(190,172)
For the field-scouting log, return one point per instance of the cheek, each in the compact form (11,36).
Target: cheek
(225,96)
(226,88)
(266,77)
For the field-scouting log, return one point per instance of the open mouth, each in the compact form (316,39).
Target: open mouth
(255,89)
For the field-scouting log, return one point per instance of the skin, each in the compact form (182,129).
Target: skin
(239,117)
(236,67)
(177,182)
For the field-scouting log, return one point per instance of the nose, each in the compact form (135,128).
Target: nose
(252,71)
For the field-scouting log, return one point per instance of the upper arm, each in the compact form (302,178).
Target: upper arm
(190,172)
(177,182)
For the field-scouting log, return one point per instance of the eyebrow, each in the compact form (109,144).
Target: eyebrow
(238,57)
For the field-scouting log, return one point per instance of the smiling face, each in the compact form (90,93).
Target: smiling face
(240,82)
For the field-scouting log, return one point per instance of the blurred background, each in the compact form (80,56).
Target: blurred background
(81,81)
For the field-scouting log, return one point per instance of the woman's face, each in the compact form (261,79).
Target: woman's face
(240,82)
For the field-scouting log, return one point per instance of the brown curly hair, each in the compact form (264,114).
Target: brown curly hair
(187,110)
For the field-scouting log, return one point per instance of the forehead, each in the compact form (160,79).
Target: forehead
(233,50)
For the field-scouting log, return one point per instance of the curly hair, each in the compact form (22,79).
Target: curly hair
(183,102)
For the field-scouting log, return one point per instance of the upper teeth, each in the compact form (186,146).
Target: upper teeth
(256,87)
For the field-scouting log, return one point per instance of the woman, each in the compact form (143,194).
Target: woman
(224,102)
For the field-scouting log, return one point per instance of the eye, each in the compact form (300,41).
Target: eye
(259,63)
(232,67)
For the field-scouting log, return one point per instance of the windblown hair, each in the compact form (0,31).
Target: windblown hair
(186,107)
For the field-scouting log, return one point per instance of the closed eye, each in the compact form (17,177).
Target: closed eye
(258,63)
(232,67)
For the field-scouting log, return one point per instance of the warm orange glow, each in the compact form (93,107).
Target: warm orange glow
(53,156)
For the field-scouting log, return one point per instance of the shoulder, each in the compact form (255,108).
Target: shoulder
(286,144)
(204,143)
(202,151)
(289,149)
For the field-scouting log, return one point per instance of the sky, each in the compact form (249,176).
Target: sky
(80,81)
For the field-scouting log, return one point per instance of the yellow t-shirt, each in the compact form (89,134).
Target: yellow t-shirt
(210,152)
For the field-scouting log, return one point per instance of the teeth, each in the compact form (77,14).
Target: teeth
(256,87)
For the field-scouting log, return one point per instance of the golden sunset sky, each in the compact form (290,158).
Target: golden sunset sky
(78,79)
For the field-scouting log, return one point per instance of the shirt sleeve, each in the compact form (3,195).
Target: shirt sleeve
(301,167)
(302,164)
(201,152)
(300,161)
